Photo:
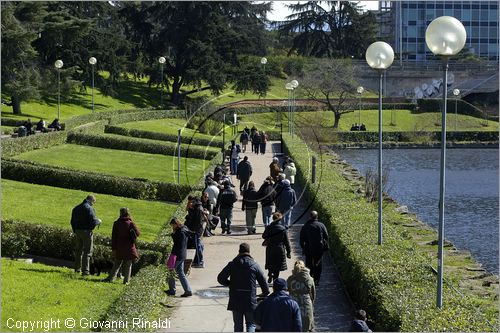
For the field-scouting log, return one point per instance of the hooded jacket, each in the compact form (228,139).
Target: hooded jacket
(302,290)
(286,198)
(290,171)
(180,238)
(278,313)
(266,194)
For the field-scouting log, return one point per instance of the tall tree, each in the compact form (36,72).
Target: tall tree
(328,28)
(20,76)
(330,82)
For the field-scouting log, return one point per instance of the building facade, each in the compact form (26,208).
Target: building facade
(409,19)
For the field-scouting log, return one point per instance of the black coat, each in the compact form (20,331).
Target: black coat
(242,275)
(250,199)
(314,238)
(180,238)
(278,246)
(195,219)
(244,170)
(83,217)
(266,194)
(227,198)
(278,313)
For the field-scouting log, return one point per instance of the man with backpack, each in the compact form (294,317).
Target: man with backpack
(244,140)
(225,201)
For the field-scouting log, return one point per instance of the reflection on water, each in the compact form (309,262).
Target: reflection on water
(471,203)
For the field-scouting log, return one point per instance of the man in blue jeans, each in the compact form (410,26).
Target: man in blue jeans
(194,221)
(241,276)
(225,201)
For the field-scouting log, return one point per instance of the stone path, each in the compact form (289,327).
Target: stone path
(206,310)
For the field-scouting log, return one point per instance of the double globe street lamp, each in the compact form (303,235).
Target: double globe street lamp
(445,37)
(92,61)
(58,64)
(380,56)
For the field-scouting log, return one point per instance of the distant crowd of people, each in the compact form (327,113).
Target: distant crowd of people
(358,127)
(27,128)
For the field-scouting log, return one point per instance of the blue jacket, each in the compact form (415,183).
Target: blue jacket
(278,313)
(83,217)
(242,275)
(286,199)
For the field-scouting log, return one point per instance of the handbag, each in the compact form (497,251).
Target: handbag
(172,258)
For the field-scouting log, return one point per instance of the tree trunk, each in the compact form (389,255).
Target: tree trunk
(337,119)
(176,87)
(16,104)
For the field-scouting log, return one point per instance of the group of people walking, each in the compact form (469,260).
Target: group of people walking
(257,138)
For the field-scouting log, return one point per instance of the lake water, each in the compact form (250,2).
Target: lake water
(471,202)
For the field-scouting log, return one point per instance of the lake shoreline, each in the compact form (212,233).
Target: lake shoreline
(410,145)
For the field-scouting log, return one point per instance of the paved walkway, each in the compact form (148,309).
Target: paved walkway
(206,310)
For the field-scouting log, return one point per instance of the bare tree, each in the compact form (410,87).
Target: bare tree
(331,82)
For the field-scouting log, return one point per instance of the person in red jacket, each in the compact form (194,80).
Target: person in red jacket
(123,238)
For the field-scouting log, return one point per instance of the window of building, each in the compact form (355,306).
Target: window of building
(493,49)
(475,32)
(412,31)
(448,12)
(493,15)
(439,5)
(412,15)
(466,6)
(466,15)
(475,14)
(457,13)
(493,32)
(429,5)
(439,12)
(476,6)
(484,14)
(483,49)
(484,32)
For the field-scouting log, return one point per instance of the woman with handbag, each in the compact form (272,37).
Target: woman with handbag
(277,247)
(175,262)
(123,238)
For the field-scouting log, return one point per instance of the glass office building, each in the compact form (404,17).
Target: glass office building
(409,20)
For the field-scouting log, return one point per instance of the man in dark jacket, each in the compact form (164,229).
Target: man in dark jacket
(250,205)
(266,197)
(225,201)
(244,173)
(314,241)
(241,276)
(83,222)
(285,202)
(194,221)
(359,322)
(279,312)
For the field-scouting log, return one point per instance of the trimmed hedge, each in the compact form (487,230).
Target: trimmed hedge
(17,146)
(49,241)
(394,281)
(163,136)
(140,145)
(481,136)
(37,173)
(434,105)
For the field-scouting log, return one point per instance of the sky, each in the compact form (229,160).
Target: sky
(280,11)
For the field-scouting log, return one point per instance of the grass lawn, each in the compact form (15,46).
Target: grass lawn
(52,205)
(36,292)
(403,120)
(120,163)
(7,129)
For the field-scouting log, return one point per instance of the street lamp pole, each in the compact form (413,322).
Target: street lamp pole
(263,61)
(456,92)
(92,61)
(359,90)
(161,60)
(380,56)
(445,36)
(294,84)
(289,89)
(59,64)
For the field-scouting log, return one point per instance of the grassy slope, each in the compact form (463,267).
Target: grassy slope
(404,121)
(53,205)
(119,162)
(40,292)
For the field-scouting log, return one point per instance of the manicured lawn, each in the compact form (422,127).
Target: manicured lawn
(52,205)
(403,120)
(36,292)
(120,163)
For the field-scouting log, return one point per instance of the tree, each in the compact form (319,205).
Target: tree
(20,76)
(328,29)
(331,82)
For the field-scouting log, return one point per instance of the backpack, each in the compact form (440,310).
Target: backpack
(238,149)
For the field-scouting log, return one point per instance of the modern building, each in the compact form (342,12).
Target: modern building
(408,21)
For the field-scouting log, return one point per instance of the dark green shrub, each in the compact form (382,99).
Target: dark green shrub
(12,122)
(33,172)
(11,147)
(133,144)
(14,245)
(434,105)
(481,136)
(163,136)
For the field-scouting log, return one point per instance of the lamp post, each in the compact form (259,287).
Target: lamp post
(445,36)
(380,56)
(294,84)
(161,60)
(58,64)
(359,90)
(263,61)
(92,61)
(456,92)
(289,88)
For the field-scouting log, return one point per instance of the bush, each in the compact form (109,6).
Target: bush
(481,136)
(434,105)
(14,245)
(163,136)
(127,143)
(17,146)
(36,173)
(393,282)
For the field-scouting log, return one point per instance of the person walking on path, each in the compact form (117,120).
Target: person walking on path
(277,247)
(274,169)
(285,202)
(290,171)
(194,221)
(180,237)
(244,141)
(123,238)
(241,276)
(256,142)
(301,288)
(235,157)
(225,201)
(244,173)
(314,242)
(213,192)
(263,142)
(266,197)
(83,222)
(249,206)
(278,312)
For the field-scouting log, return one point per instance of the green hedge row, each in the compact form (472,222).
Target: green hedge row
(136,144)
(163,136)
(478,136)
(463,107)
(12,122)
(393,282)
(33,172)
(20,238)
(17,146)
